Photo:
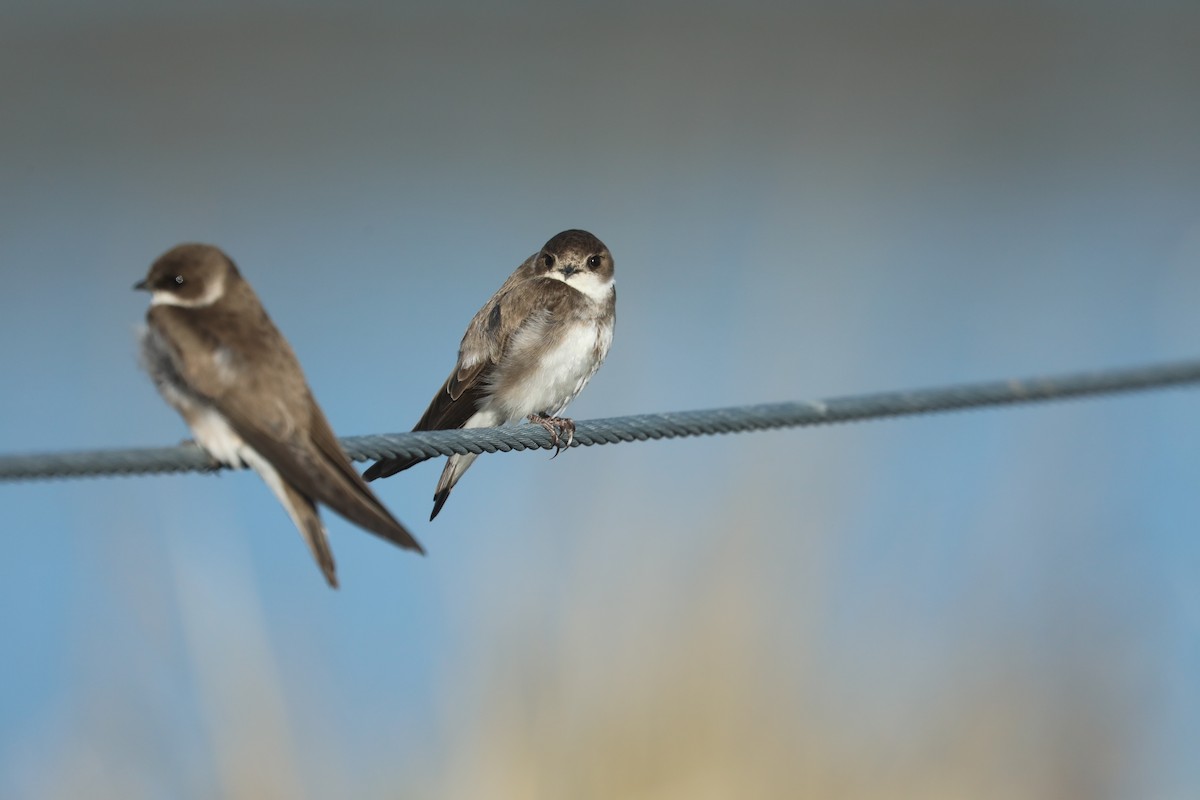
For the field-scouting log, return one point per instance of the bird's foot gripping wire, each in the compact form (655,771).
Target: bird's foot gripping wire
(556,427)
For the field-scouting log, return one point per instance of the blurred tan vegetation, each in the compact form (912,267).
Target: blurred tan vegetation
(668,678)
(705,703)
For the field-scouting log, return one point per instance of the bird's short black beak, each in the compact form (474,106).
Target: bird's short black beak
(141,286)
(568,271)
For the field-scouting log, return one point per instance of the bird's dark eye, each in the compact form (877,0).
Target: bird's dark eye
(548,260)
(593,262)
(178,280)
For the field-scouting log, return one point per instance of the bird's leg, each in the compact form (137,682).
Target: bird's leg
(556,427)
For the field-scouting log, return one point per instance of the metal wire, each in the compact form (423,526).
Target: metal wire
(736,419)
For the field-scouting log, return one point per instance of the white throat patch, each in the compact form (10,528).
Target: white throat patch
(589,283)
(211,294)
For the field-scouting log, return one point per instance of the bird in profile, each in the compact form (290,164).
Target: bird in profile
(217,358)
(527,353)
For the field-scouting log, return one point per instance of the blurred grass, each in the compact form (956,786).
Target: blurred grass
(708,674)
(706,702)
(654,673)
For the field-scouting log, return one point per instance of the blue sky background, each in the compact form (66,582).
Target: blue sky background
(803,201)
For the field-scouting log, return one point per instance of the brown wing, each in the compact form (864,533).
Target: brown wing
(489,337)
(529,301)
(459,396)
(267,402)
(482,346)
(455,402)
(316,465)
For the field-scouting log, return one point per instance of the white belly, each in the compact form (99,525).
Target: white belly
(560,374)
(215,435)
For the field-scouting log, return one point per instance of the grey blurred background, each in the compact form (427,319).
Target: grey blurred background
(803,200)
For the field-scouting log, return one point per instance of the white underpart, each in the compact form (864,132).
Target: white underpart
(212,293)
(562,372)
(484,418)
(215,435)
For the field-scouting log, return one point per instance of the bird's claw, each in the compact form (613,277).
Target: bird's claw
(556,427)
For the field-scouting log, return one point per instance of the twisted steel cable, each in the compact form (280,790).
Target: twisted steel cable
(641,427)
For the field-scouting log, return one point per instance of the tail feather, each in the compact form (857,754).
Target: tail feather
(349,496)
(386,467)
(439,500)
(456,465)
(313,531)
(301,509)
